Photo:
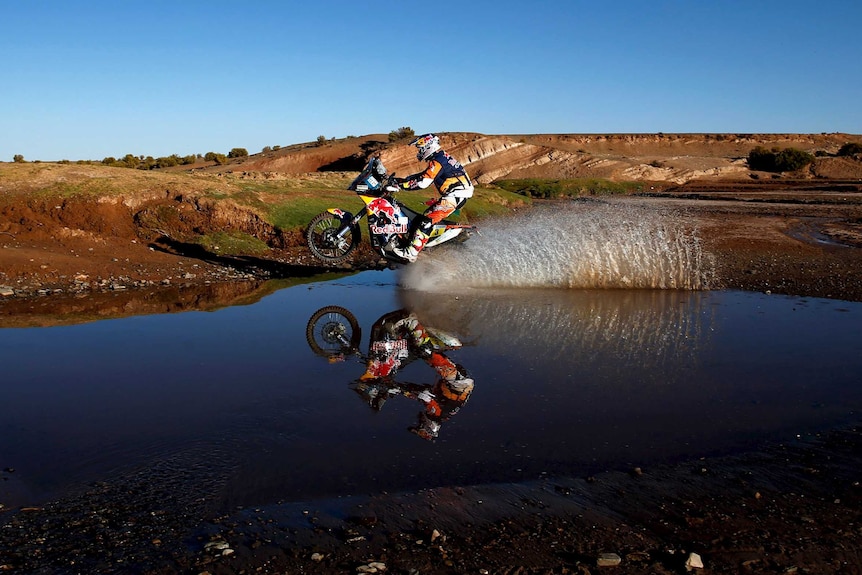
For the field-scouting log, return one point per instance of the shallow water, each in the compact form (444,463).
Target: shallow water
(234,405)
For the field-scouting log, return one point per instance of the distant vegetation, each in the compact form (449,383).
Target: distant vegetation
(401,134)
(549,189)
(778,160)
(850,149)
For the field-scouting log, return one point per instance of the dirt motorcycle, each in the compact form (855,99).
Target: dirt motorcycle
(334,234)
(333,333)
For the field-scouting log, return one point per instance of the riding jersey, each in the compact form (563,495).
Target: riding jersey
(446,173)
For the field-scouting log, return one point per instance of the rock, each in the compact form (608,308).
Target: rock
(693,562)
(373,567)
(609,560)
(317,557)
(216,546)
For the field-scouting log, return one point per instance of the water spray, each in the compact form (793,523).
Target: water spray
(578,245)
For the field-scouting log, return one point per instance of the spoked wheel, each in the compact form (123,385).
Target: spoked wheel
(332,331)
(324,241)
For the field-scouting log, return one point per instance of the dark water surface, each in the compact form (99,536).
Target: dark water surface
(567,382)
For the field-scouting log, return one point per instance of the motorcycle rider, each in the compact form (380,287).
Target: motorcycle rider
(452,182)
(394,338)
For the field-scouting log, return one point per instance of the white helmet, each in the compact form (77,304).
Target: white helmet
(427,145)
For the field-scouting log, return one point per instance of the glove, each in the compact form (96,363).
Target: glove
(393,184)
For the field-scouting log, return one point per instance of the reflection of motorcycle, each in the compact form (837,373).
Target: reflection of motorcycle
(397,338)
(334,234)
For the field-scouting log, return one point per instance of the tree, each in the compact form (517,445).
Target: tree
(18,158)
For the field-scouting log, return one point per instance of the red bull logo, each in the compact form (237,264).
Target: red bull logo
(386,212)
(382,206)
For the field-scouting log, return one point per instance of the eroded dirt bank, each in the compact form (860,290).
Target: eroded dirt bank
(800,238)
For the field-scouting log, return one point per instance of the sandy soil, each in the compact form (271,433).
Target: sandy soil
(792,508)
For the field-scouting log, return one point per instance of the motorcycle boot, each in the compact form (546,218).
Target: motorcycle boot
(411,251)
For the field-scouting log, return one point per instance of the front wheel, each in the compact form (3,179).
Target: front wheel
(333,331)
(330,239)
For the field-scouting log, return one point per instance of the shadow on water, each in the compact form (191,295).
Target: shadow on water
(406,389)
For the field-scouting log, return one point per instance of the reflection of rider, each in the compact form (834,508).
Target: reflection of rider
(394,338)
(452,182)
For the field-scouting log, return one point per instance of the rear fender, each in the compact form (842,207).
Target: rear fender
(440,234)
(447,230)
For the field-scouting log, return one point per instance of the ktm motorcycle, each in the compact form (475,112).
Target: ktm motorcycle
(334,234)
(396,339)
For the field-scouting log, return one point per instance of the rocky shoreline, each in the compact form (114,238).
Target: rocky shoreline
(787,508)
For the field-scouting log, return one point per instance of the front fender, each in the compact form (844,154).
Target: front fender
(342,215)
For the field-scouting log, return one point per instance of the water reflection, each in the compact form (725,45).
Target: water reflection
(648,327)
(397,339)
(569,382)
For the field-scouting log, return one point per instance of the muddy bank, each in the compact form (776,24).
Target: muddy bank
(790,508)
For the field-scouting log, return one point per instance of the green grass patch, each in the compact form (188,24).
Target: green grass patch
(297,209)
(550,189)
(233,243)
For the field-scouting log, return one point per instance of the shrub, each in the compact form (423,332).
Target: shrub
(237,153)
(791,159)
(567,188)
(215,157)
(761,159)
(166,161)
(18,158)
(321,140)
(776,160)
(130,161)
(850,149)
(401,133)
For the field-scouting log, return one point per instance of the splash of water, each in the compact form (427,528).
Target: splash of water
(574,245)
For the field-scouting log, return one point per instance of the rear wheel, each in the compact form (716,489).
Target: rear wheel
(325,242)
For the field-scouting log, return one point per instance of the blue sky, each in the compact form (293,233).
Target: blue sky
(87,79)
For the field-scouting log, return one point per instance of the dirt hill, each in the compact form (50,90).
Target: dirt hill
(672,158)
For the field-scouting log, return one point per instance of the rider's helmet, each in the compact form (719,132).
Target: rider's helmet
(427,146)
(426,428)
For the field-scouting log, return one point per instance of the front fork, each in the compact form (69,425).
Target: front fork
(348,220)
